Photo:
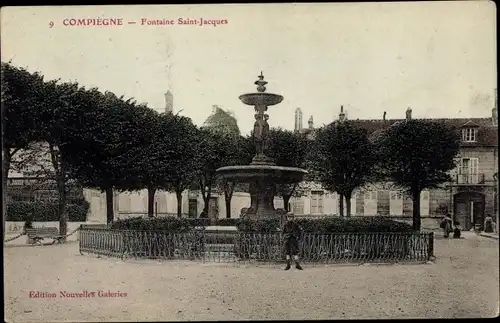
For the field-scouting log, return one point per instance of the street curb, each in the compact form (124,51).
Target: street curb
(487,235)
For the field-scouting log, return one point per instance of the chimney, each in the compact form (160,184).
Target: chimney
(408,113)
(385,113)
(311,122)
(169,102)
(298,119)
(341,114)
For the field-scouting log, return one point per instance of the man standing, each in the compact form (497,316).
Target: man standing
(292,233)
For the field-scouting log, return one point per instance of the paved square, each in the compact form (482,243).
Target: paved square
(463,282)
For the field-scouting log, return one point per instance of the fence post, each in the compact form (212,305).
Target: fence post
(123,243)
(430,252)
(80,240)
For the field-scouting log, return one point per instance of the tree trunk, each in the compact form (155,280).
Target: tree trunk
(151,201)
(206,194)
(227,199)
(5,176)
(341,205)
(228,206)
(416,209)
(59,166)
(348,204)
(110,216)
(63,214)
(203,195)
(286,202)
(178,193)
(228,195)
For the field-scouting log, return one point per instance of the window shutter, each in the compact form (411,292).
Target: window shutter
(474,168)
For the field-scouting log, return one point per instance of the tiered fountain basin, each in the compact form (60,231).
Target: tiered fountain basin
(261,98)
(271,173)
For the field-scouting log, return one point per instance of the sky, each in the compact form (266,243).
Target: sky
(439,58)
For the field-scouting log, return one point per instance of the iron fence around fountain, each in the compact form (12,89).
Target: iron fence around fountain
(256,247)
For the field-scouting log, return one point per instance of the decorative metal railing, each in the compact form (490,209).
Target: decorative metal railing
(469,179)
(239,246)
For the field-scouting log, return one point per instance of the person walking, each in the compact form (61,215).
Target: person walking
(292,233)
(446,225)
(488,224)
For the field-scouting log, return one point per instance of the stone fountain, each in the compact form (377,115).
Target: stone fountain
(262,174)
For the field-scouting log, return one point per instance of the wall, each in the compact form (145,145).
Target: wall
(134,203)
(374,200)
(97,210)
(371,201)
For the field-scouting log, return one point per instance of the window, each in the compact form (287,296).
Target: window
(298,206)
(468,171)
(317,202)
(396,203)
(370,203)
(396,195)
(424,203)
(124,202)
(370,195)
(469,134)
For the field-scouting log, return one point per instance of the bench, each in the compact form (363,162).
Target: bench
(38,234)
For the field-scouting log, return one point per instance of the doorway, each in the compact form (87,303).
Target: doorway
(469,209)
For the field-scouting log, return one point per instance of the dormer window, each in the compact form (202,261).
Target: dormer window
(469,134)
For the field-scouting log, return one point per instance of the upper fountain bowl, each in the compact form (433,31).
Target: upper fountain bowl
(272,173)
(261,98)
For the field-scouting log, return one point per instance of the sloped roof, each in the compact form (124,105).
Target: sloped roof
(487,134)
(470,123)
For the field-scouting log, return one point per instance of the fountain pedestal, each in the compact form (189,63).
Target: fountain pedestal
(262,174)
(262,194)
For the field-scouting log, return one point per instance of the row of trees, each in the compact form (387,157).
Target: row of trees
(412,155)
(71,134)
(103,141)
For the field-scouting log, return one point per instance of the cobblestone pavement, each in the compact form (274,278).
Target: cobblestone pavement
(462,282)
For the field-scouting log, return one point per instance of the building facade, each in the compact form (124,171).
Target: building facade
(469,197)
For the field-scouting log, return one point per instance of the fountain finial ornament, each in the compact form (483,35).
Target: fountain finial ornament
(261,83)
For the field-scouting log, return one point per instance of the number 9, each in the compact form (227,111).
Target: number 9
(51,24)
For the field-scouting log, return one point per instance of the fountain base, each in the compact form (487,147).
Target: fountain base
(262,180)
(262,192)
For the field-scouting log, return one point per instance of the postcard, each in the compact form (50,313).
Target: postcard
(250,161)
